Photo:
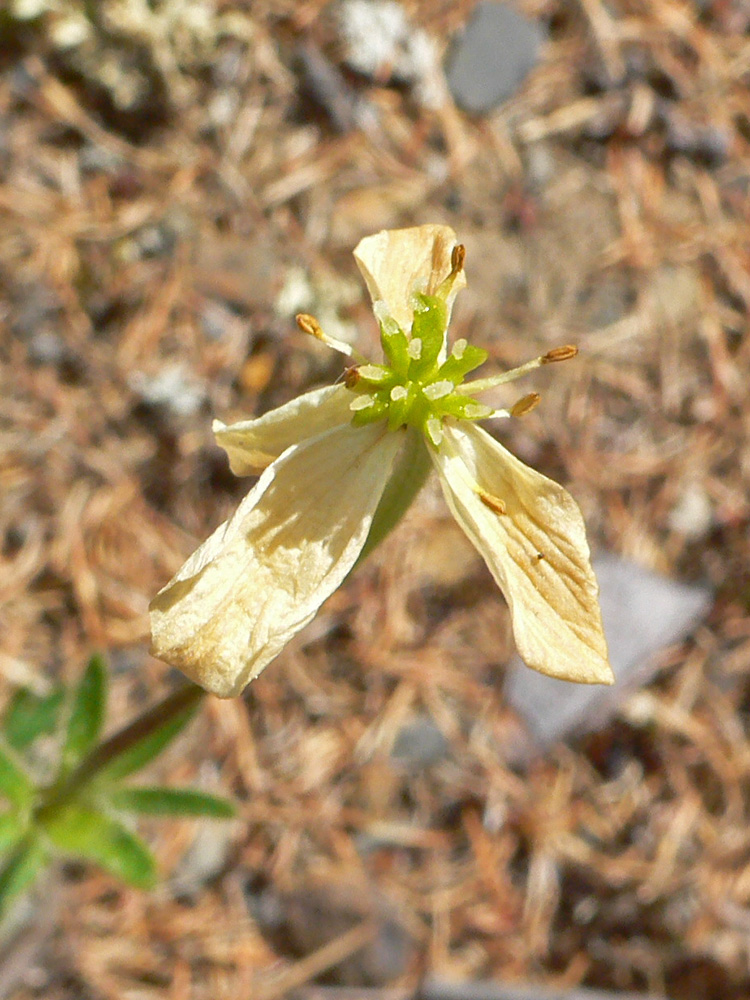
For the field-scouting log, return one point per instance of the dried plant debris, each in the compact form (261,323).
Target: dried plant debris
(151,259)
(135,51)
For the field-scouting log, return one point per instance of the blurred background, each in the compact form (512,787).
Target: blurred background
(178,178)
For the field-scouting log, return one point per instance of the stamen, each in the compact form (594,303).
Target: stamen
(482,384)
(525,405)
(309,325)
(459,348)
(494,503)
(415,349)
(437,390)
(361,403)
(399,392)
(458,256)
(435,431)
(559,354)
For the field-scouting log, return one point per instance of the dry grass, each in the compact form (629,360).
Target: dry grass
(144,250)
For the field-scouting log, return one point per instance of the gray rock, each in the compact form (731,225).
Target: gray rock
(491,59)
(419,744)
(204,860)
(643,613)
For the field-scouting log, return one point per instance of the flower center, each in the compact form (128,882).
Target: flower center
(417,385)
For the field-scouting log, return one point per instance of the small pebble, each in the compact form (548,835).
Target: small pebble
(419,744)
(492,58)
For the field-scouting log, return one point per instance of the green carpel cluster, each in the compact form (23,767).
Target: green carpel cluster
(414,387)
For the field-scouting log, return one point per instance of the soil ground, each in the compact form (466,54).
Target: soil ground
(173,188)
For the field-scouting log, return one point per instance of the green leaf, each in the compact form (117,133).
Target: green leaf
(12,828)
(143,751)
(29,716)
(19,872)
(15,784)
(84,833)
(158,801)
(87,712)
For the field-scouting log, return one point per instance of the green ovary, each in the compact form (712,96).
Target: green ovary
(414,387)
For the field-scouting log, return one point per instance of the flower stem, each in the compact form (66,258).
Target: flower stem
(175,703)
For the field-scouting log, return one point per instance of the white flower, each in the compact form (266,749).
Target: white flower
(340,464)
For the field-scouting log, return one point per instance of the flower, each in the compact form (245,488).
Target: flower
(339,465)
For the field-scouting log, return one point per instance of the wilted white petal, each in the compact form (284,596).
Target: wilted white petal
(263,575)
(531,534)
(253,444)
(396,261)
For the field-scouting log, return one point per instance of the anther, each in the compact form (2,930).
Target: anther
(459,348)
(458,256)
(559,354)
(309,325)
(494,503)
(351,376)
(525,405)
(399,392)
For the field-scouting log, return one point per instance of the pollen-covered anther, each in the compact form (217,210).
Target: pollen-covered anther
(559,354)
(434,430)
(438,390)
(414,349)
(374,373)
(399,392)
(309,325)
(525,405)
(494,503)
(459,348)
(361,403)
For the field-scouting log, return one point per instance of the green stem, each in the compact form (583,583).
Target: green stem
(174,704)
